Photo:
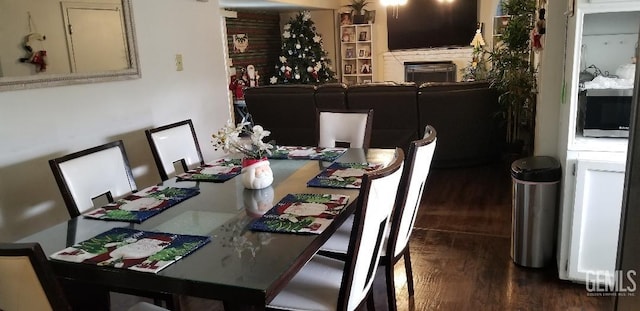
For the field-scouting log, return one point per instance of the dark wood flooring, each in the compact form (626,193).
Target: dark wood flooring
(460,253)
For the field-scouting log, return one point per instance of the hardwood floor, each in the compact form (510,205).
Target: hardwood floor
(460,253)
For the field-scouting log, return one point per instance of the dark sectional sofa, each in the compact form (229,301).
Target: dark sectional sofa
(463,114)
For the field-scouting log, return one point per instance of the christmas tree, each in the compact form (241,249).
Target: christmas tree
(302,60)
(477,68)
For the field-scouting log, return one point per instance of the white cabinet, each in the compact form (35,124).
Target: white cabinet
(356,50)
(596,219)
(594,167)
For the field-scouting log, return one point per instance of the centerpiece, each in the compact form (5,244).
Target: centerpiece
(256,171)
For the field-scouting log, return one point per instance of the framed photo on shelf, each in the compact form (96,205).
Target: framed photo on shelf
(362,36)
(348,69)
(345,19)
(349,53)
(348,34)
(366,81)
(366,68)
(361,53)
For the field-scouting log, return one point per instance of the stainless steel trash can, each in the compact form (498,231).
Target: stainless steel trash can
(534,210)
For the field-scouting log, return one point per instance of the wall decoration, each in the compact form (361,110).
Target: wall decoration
(240,42)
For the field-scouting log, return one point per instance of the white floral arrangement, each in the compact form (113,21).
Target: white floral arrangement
(228,139)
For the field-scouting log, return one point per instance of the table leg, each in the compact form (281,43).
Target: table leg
(86,297)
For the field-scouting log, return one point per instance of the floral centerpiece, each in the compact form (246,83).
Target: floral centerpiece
(256,172)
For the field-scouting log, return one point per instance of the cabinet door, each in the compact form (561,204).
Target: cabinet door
(596,220)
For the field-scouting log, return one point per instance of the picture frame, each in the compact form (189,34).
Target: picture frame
(370,16)
(349,53)
(365,81)
(345,19)
(348,69)
(366,68)
(362,36)
(500,24)
(361,53)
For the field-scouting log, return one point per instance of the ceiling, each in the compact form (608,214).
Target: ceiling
(278,5)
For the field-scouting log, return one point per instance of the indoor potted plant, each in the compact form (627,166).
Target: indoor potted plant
(357,10)
(513,75)
(256,170)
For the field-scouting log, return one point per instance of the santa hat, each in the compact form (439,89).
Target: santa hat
(254,163)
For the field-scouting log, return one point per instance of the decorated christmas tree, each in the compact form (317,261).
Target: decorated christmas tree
(303,59)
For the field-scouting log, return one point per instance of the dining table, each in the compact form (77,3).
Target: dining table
(243,268)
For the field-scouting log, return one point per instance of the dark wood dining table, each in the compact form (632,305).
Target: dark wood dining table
(243,268)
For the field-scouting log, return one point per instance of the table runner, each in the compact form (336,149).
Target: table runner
(138,250)
(139,206)
(302,213)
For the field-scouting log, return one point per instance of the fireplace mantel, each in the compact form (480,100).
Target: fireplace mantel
(394,61)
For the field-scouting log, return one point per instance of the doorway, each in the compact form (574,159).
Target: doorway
(96,37)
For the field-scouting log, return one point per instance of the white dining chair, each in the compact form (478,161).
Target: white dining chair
(85,175)
(173,143)
(29,283)
(344,128)
(414,176)
(325,283)
(93,173)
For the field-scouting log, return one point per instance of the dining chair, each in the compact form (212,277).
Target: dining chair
(326,283)
(29,283)
(93,173)
(344,128)
(172,143)
(414,177)
(85,175)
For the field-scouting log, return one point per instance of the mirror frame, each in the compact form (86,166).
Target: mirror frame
(50,80)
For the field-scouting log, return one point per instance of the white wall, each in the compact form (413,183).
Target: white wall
(40,124)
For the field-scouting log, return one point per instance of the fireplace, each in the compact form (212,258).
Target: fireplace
(420,72)
(394,62)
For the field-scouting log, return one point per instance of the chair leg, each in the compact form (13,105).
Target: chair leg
(409,271)
(391,285)
(371,304)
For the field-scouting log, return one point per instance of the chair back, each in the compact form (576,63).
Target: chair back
(344,128)
(375,203)
(87,174)
(414,178)
(174,142)
(27,281)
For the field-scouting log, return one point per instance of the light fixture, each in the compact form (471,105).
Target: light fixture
(395,4)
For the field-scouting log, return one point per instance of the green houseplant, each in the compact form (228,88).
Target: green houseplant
(357,7)
(513,75)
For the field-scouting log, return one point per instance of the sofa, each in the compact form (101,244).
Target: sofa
(463,114)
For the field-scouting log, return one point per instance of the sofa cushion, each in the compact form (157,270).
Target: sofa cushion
(464,114)
(395,117)
(288,111)
(331,96)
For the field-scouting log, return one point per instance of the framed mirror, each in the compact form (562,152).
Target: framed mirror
(46,43)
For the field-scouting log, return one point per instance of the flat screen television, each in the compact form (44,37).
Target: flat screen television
(432,24)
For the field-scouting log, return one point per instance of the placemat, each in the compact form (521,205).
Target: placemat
(138,250)
(219,170)
(307,153)
(139,206)
(342,175)
(302,213)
